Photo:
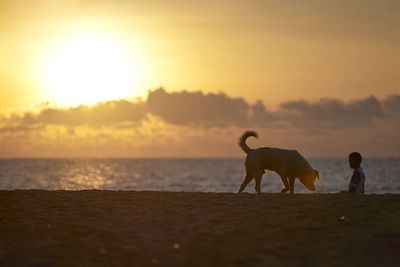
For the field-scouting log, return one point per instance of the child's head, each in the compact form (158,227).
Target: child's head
(355,160)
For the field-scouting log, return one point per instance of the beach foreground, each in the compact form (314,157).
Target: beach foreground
(128,228)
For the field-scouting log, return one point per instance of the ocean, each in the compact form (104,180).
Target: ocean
(190,175)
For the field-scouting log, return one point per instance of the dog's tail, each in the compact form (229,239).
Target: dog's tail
(242,141)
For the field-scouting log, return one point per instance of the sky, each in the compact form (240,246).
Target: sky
(187,78)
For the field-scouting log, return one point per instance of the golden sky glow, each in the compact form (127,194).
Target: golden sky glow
(312,58)
(268,50)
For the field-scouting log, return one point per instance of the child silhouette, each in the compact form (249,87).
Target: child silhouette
(358,178)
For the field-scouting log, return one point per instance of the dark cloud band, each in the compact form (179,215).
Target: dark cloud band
(213,110)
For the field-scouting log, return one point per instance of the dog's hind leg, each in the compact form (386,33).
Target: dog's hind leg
(258,182)
(291,184)
(246,181)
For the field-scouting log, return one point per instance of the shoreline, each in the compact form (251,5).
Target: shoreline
(152,228)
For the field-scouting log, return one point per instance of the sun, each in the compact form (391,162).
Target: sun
(89,68)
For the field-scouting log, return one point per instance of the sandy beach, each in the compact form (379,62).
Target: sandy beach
(129,228)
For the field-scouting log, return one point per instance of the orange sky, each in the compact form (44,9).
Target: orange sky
(272,51)
(268,50)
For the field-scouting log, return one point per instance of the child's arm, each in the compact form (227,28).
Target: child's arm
(355,181)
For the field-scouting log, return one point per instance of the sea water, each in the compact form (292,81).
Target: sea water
(190,175)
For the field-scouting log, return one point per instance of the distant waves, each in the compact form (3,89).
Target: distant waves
(202,175)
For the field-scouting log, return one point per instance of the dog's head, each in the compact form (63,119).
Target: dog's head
(308,179)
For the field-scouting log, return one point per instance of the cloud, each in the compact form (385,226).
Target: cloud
(212,110)
(392,104)
(182,108)
(102,114)
(194,108)
(197,124)
(329,112)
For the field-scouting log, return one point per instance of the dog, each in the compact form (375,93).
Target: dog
(288,164)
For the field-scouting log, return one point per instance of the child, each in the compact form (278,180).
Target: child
(358,178)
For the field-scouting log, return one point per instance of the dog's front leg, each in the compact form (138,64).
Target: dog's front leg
(291,185)
(246,181)
(258,183)
(285,183)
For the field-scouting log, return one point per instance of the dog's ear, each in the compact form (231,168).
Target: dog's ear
(316,173)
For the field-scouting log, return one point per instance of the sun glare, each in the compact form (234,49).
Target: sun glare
(89,68)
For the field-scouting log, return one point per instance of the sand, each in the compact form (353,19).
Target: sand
(128,228)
